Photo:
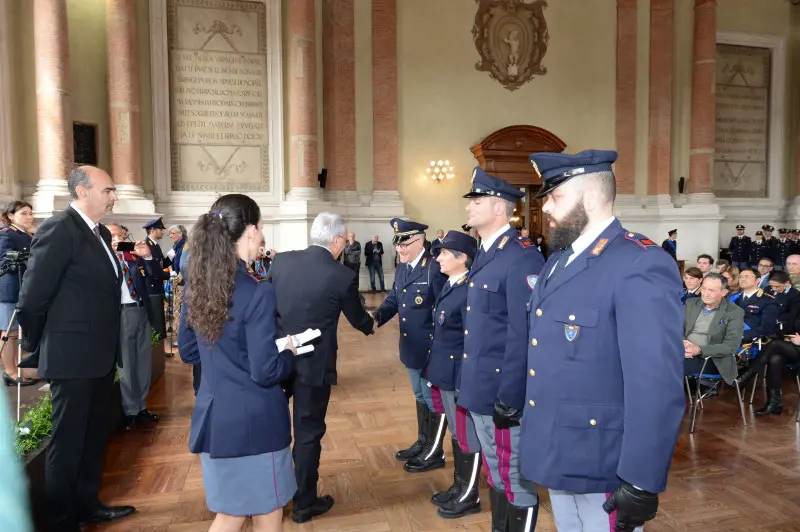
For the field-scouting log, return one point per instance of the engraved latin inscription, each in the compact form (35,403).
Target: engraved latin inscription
(742,122)
(218,91)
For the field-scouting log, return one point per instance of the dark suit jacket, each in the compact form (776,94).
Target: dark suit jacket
(724,334)
(12,239)
(240,408)
(789,306)
(370,251)
(156,280)
(141,270)
(312,289)
(69,301)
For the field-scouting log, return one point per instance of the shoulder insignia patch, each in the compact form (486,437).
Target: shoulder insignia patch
(598,248)
(503,242)
(524,242)
(641,240)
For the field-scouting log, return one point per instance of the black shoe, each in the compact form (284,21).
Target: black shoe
(128,422)
(148,415)
(522,519)
(106,513)
(499,503)
(432,454)
(442,497)
(774,404)
(320,506)
(466,500)
(416,447)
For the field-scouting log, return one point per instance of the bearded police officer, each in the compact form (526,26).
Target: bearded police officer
(418,281)
(604,395)
(492,386)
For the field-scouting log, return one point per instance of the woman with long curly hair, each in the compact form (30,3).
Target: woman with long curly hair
(240,425)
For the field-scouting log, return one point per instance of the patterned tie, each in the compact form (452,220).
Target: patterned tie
(97,233)
(126,273)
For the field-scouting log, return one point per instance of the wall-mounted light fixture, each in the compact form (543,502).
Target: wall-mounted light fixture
(438,171)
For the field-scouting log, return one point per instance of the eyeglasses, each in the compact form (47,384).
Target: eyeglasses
(405,245)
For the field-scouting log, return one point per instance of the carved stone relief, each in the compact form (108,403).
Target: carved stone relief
(511,38)
(218,95)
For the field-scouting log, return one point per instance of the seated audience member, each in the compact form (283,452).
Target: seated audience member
(793,268)
(765,267)
(775,356)
(731,274)
(692,280)
(760,308)
(723,265)
(705,263)
(712,329)
(240,425)
(15,236)
(787,298)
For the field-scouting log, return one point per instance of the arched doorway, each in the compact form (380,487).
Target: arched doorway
(505,153)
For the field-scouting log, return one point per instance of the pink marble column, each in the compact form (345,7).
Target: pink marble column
(123,93)
(303,166)
(660,137)
(703,124)
(339,93)
(625,167)
(384,94)
(53,113)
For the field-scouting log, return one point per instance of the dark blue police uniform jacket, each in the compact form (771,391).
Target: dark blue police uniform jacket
(12,239)
(240,408)
(495,330)
(412,297)
(740,248)
(141,270)
(449,315)
(156,280)
(760,315)
(604,396)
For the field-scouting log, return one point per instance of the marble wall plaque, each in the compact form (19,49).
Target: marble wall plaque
(742,123)
(218,95)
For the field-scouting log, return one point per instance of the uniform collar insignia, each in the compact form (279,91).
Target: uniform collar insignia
(598,248)
(424,261)
(503,242)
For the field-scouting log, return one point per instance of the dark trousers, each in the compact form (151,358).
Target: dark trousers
(310,407)
(694,365)
(157,304)
(777,354)
(74,464)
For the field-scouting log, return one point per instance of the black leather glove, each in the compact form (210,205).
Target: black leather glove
(633,506)
(506,416)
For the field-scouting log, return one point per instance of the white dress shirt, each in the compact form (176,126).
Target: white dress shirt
(125,296)
(487,242)
(455,278)
(413,263)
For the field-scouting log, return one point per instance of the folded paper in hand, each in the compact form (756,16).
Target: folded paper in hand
(300,339)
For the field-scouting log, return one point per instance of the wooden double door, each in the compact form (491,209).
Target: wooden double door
(505,154)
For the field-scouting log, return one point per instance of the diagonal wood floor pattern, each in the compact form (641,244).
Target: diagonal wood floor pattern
(726,477)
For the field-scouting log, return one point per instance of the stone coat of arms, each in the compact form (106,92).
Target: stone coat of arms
(511,37)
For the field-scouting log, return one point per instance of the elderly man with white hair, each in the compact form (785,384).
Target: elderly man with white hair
(312,289)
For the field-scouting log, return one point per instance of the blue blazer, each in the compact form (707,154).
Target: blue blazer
(11,239)
(448,335)
(412,298)
(495,330)
(604,397)
(240,408)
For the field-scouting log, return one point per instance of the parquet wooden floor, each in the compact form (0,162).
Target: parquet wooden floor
(726,477)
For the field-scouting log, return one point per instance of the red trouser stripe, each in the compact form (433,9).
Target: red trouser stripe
(503,440)
(436,398)
(461,429)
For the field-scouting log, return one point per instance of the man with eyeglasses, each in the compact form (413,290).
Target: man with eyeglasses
(417,282)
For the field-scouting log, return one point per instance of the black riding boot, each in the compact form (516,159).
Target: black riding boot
(416,447)
(774,404)
(466,500)
(442,497)
(499,503)
(752,369)
(522,519)
(432,454)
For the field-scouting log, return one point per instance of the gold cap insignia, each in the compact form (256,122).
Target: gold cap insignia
(536,169)
(395,227)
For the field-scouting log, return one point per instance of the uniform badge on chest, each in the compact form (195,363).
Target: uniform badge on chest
(418,300)
(571,332)
(532,280)
(441,318)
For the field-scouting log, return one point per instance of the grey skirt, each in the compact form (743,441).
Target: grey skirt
(248,485)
